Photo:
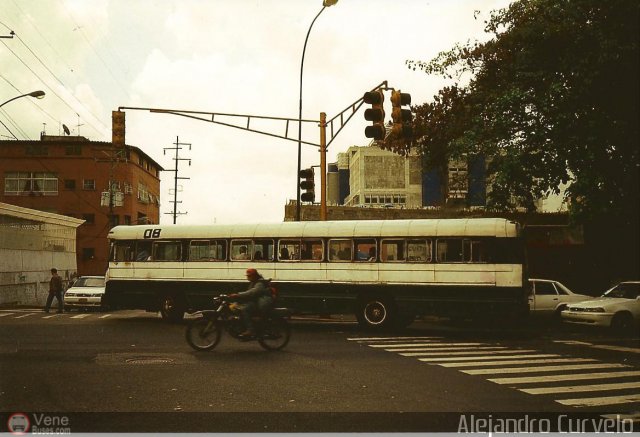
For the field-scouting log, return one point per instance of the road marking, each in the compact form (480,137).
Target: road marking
(435,354)
(438,349)
(24,315)
(542,368)
(581,388)
(80,316)
(606,400)
(6,314)
(523,362)
(426,344)
(391,338)
(105,316)
(487,357)
(570,377)
(633,350)
(51,315)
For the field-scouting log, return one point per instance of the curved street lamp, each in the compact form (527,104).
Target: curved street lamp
(325,4)
(37,94)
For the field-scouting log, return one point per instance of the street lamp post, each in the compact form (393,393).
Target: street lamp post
(325,4)
(36,94)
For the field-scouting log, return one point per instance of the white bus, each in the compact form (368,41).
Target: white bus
(385,272)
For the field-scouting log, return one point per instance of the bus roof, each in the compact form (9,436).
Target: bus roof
(476,227)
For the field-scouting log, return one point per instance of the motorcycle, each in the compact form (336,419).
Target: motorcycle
(272,331)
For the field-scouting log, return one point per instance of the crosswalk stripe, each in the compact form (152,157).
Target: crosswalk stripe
(605,400)
(633,350)
(520,362)
(6,314)
(438,349)
(568,377)
(50,316)
(426,344)
(80,316)
(542,368)
(487,357)
(105,316)
(435,354)
(581,388)
(391,338)
(24,315)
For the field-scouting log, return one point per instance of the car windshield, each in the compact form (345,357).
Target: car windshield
(89,282)
(626,291)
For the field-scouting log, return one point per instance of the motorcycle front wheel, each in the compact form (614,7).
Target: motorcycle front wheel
(275,334)
(203,334)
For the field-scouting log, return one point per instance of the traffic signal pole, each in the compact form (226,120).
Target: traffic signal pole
(336,124)
(323,166)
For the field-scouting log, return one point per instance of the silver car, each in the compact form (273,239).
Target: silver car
(86,292)
(618,308)
(549,298)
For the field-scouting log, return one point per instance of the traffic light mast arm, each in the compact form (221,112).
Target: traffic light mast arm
(199,115)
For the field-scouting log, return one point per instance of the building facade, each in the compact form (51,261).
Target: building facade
(89,180)
(31,244)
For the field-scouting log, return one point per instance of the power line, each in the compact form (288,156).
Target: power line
(45,84)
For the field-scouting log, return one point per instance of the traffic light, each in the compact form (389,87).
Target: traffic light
(307,183)
(374,114)
(402,118)
(117,128)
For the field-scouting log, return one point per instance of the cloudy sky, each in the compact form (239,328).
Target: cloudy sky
(223,56)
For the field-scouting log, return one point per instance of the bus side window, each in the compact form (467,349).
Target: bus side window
(263,250)
(419,251)
(122,251)
(365,250)
(450,250)
(392,250)
(473,251)
(241,250)
(289,250)
(166,251)
(339,250)
(312,250)
(143,251)
(199,251)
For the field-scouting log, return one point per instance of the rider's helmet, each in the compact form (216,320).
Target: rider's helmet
(252,274)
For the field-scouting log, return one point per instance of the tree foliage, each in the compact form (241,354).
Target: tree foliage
(552,98)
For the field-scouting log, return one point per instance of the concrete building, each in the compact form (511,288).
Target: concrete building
(31,243)
(89,180)
(380,178)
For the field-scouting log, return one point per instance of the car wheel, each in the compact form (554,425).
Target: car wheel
(622,323)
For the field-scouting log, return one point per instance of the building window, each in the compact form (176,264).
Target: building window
(89,219)
(128,188)
(36,150)
(89,184)
(88,253)
(30,183)
(143,194)
(73,149)
(458,181)
(69,184)
(114,220)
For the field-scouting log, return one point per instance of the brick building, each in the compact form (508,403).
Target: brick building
(70,175)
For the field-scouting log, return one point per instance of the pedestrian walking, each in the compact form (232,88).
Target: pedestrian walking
(55,290)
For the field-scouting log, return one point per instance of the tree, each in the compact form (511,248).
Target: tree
(552,98)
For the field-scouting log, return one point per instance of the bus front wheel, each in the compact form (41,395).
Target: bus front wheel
(374,312)
(171,308)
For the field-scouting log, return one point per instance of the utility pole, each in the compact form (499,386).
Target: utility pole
(176,158)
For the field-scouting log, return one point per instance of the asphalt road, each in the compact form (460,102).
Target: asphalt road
(130,371)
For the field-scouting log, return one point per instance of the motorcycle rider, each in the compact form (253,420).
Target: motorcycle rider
(257,299)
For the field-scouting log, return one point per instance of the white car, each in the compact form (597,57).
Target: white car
(86,292)
(549,298)
(618,308)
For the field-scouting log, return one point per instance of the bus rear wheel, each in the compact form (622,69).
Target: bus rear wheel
(171,308)
(375,312)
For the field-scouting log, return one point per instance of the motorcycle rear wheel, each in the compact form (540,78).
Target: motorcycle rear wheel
(275,334)
(203,334)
